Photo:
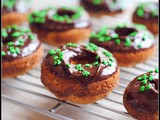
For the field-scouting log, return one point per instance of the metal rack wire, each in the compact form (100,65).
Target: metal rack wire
(27,91)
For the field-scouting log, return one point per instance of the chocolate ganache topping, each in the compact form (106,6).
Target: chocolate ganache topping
(84,64)
(103,5)
(20,6)
(147,11)
(17,42)
(59,19)
(123,38)
(142,92)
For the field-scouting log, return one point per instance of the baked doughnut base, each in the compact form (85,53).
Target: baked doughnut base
(61,38)
(22,65)
(74,91)
(12,18)
(130,59)
(152,25)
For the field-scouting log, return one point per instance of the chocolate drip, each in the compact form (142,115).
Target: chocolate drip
(143,38)
(51,25)
(28,48)
(146,101)
(80,55)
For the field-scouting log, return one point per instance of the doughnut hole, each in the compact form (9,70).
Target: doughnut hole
(63,12)
(125,31)
(83,59)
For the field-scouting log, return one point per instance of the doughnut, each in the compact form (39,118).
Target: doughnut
(20,51)
(58,26)
(129,44)
(97,8)
(141,96)
(147,14)
(14,12)
(80,73)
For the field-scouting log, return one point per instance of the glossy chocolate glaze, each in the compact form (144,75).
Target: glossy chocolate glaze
(146,101)
(80,55)
(124,32)
(29,47)
(52,25)
(20,6)
(105,6)
(148,8)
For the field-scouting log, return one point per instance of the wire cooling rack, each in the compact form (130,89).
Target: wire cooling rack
(28,92)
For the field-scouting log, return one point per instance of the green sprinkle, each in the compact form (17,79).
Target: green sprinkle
(4,33)
(139,78)
(118,41)
(144,82)
(150,71)
(156,70)
(93,35)
(17,50)
(32,37)
(140,12)
(91,47)
(101,39)
(97,2)
(142,88)
(148,87)
(57,62)
(12,51)
(111,59)
(150,78)
(79,67)
(3,53)
(85,73)
(15,27)
(139,45)
(52,52)
(97,57)
(58,50)
(21,44)
(55,57)
(144,77)
(121,25)
(133,34)
(72,45)
(16,34)
(106,53)
(107,38)
(115,36)
(104,62)
(96,63)
(88,65)
(21,40)
(68,65)
(128,42)
(10,43)
(109,63)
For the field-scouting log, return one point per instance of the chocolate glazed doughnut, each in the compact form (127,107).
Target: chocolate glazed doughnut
(147,14)
(103,7)
(130,45)
(141,96)
(14,12)
(60,26)
(81,74)
(21,51)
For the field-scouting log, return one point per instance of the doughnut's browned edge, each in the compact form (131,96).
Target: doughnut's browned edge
(74,91)
(130,59)
(152,25)
(13,18)
(61,38)
(22,65)
(136,114)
